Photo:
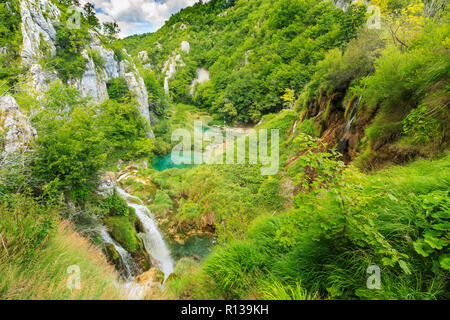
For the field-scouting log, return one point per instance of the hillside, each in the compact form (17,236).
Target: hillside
(345,79)
(347,197)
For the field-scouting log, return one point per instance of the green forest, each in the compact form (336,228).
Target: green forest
(358,208)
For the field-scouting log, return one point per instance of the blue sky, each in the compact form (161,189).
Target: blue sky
(138,16)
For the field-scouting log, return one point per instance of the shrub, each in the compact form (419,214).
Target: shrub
(115,205)
(118,90)
(421,126)
(25,226)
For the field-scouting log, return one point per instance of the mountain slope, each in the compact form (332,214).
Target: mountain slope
(320,57)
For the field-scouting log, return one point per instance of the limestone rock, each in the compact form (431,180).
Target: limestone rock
(148,66)
(15,126)
(150,277)
(185,46)
(202,77)
(170,67)
(41,79)
(143,56)
(108,182)
(37,18)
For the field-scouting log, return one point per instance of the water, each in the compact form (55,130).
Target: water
(152,237)
(197,247)
(343,143)
(165,162)
(125,256)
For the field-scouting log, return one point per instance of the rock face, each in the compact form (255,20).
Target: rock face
(14,126)
(344,4)
(143,56)
(92,84)
(38,20)
(37,23)
(108,182)
(170,67)
(202,77)
(185,46)
(41,79)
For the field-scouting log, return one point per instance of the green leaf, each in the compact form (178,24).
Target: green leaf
(444,261)
(404,266)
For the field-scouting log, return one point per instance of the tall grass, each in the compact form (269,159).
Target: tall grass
(332,267)
(46,277)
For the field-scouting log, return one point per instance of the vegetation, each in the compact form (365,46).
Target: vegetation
(260,48)
(363,179)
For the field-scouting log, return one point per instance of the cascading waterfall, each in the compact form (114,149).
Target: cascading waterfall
(125,256)
(343,143)
(153,240)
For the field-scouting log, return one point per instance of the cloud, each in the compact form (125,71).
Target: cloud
(138,16)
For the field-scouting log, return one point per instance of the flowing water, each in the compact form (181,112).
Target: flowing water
(152,237)
(125,256)
(343,143)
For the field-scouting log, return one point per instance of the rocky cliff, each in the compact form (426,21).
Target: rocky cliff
(38,30)
(16,131)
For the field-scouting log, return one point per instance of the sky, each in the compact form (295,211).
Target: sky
(138,16)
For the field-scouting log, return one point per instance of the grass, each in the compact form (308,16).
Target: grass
(46,277)
(332,266)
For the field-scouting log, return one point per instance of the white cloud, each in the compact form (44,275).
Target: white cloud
(138,16)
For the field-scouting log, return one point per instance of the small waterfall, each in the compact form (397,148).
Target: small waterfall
(295,127)
(153,240)
(125,256)
(343,142)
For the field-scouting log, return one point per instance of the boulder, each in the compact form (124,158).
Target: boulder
(154,276)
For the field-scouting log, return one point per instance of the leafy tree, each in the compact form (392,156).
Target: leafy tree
(118,90)
(111,28)
(289,98)
(89,10)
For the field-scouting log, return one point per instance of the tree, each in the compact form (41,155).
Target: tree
(89,10)
(288,98)
(111,28)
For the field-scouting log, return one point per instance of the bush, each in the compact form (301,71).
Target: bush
(115,205)
(118,90)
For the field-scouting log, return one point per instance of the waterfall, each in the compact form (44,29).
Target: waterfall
(152,238)
(125,256)
(343,142)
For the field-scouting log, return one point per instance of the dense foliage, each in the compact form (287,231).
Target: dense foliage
(254,51)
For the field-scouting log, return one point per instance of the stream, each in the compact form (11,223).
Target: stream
(152,237)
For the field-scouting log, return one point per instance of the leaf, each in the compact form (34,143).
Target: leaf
(444,261)
(404,266)
(420,248)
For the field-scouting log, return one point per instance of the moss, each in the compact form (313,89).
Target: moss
(327,110)
(112,254)
(123,232)
(307,127)
(349,107)
(318,128)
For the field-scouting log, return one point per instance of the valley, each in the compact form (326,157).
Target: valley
(118,172)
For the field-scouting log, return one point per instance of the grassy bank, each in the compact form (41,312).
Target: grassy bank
(333,245)
(46,277)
